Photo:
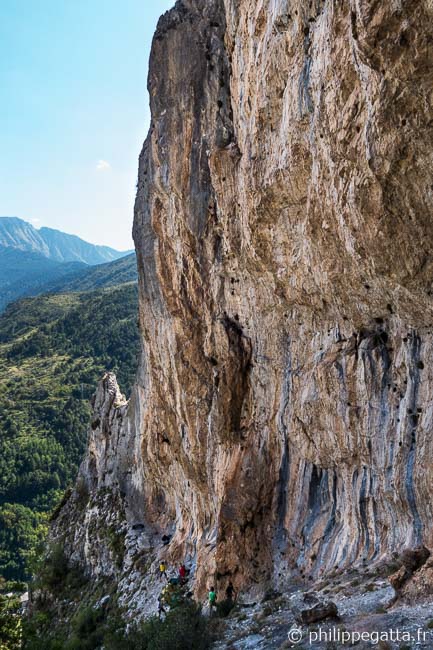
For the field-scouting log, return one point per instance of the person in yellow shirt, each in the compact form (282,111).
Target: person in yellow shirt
(163,569)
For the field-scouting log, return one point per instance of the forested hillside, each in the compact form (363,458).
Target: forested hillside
(97,277)
(24,273)
(53,350)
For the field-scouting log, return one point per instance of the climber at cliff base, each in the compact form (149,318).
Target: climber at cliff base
(163,570)
(161,608)
(212,599)
(182,573)
(230,592)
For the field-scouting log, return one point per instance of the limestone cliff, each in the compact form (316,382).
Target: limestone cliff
(282,419)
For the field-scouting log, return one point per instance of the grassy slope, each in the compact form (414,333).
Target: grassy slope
(53,350)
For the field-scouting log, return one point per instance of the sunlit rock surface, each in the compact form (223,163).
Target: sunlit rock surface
(281,424)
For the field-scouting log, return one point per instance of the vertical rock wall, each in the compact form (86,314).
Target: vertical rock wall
(282,418)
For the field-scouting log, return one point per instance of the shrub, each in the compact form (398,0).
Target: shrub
(224,607)
(116,543)
(184,628)
(90,629)
(54,573)
(55,569)
(86,621)
(10,624)
(88,632)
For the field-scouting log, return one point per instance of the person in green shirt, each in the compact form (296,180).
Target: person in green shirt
(212,599)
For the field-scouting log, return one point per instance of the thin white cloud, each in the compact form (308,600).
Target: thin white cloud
(102,165)
(35,220)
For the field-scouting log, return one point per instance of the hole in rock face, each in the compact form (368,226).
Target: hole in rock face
(420,365)
(379,321)
(389,308)
(213,361)
(219,104)
(403,40)
(403,122)
(367,286)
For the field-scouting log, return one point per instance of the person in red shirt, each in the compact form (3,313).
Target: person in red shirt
(182,572)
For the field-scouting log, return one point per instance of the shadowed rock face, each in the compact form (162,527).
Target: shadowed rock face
(281,422)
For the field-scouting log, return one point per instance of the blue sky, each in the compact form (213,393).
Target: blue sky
(74,112)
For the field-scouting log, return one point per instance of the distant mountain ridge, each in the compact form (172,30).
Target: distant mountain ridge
(53,244)
(39,261)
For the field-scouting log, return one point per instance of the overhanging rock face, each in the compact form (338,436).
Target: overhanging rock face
(282,419)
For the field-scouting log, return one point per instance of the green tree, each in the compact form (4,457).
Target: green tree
(10,624)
